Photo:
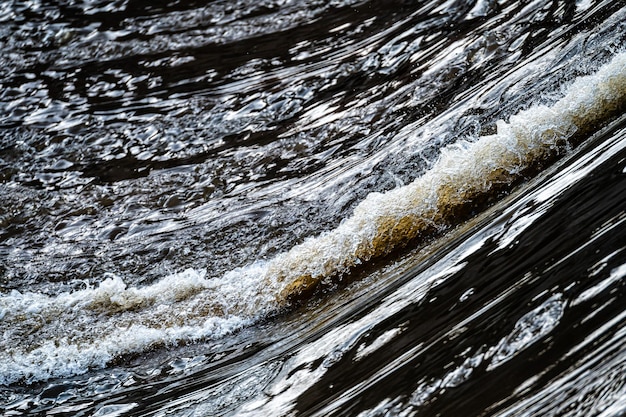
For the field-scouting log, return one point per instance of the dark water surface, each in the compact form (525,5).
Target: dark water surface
(356,208)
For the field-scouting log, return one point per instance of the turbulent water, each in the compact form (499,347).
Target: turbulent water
(313,208)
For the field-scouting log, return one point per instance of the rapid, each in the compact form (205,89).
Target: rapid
(313,208)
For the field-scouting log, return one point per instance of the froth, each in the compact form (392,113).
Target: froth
(465,173)
(49,336)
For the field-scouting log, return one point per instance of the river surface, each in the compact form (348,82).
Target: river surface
(313,208)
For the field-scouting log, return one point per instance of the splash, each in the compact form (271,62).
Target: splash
(50,336)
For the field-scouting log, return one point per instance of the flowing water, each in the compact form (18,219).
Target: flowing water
(313,208)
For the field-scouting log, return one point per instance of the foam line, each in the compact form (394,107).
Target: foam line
(465,172)
(50,336)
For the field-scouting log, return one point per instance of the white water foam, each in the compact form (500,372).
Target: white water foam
(464,171)
(50,336)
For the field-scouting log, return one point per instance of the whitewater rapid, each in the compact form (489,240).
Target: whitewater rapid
(46,336)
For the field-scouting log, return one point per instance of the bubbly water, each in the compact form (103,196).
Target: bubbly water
(357,208)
